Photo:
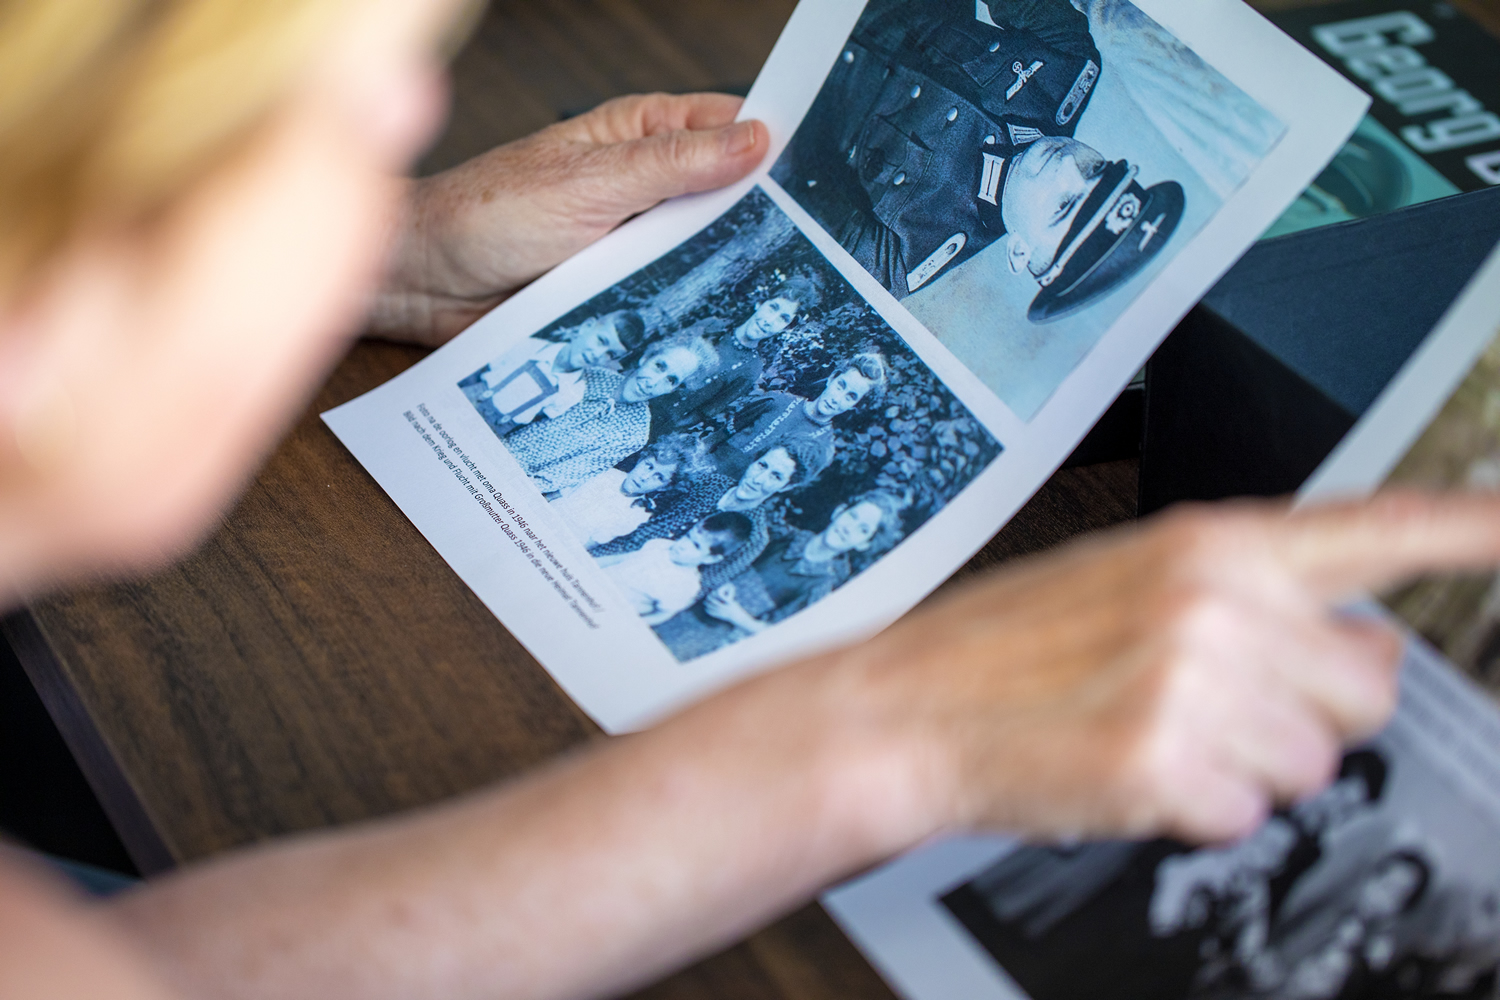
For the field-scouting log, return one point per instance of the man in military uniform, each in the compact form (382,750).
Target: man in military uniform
(944,127)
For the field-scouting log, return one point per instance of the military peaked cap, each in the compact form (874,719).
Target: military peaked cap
(1120,228)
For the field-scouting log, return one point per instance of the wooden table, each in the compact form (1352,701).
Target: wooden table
(316,662)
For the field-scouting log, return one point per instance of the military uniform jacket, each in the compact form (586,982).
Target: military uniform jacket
(903,154)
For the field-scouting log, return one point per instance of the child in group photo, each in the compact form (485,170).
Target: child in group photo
(768,419)
(744,350)
(616,502)
(613,419)
(664,576)
(800,568)
(543,376)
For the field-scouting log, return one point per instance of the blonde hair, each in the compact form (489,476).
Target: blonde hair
(110,107)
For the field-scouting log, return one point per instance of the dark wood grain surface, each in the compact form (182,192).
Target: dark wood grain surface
(316,662)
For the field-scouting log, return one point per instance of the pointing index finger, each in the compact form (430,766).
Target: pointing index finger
(1342,547)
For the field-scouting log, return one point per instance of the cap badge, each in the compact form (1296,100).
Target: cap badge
(1123,214)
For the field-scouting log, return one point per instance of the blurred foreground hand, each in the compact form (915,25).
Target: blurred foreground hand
(478,232)
(1176,678)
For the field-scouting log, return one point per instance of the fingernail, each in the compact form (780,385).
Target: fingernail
(739,138)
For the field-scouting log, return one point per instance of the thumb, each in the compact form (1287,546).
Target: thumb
(644,171)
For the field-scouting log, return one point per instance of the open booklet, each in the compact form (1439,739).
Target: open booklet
(755,423)
(1386,885)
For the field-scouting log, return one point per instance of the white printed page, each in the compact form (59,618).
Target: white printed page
(757,423)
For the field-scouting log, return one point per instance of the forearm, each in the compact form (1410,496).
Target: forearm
(1174,679)
(604,870)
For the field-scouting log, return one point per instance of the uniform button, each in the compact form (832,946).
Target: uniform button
(916,92)
(898,180)
(994,46)
(989,140)
(848,57)
(952,114)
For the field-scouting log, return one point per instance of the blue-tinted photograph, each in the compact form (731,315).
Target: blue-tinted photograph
(1016,171)
(732,432)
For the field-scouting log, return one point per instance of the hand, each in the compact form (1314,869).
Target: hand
(1179,678)
(718,602)
(480,231)
(724,605)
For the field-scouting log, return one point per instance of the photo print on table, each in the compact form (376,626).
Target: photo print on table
(731,431)
(1016,172)
(1459,614)
(1381,886)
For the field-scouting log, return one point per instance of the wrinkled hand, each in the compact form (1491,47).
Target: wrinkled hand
(1178,678)
(480,231)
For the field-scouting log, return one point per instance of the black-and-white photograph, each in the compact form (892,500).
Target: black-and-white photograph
(1015,170)
(1383,886)
(732,432)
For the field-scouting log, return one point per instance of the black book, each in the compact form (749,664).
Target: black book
(1261,380)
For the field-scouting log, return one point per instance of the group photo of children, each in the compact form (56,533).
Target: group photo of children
(732,432)
(1370,889)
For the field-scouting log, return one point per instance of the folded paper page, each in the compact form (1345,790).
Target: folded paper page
(761,422)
